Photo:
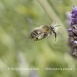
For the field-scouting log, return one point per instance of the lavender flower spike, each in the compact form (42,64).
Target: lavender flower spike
(72,17)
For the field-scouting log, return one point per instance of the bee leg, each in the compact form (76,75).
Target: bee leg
(55,35)
(36,39)
(45,35)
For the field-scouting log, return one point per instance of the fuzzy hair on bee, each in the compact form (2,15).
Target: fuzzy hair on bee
(43,31)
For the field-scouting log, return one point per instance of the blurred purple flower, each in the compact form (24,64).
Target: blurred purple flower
(74,20)
(69,15)
(75,42)
(72,17)
(74,10)
(69,18)
(69,30)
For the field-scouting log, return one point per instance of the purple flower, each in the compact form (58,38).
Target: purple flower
(72,17)
(74,21)
(75,42)
(68,15)
(69,18)
(69,30)
(74,10)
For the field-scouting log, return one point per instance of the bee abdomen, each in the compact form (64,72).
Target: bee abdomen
(33,34)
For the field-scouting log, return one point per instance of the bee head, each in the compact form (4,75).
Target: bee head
(53,26)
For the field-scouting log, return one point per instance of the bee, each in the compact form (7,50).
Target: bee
(43,31)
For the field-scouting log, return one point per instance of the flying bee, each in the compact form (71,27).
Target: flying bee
(43,31)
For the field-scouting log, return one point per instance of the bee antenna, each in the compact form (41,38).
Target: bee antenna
(57,25)
(53,24)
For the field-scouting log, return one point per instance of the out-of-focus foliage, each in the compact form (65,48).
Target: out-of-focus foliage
(17,50)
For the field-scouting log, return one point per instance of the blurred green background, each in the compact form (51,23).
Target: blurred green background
(17,50)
